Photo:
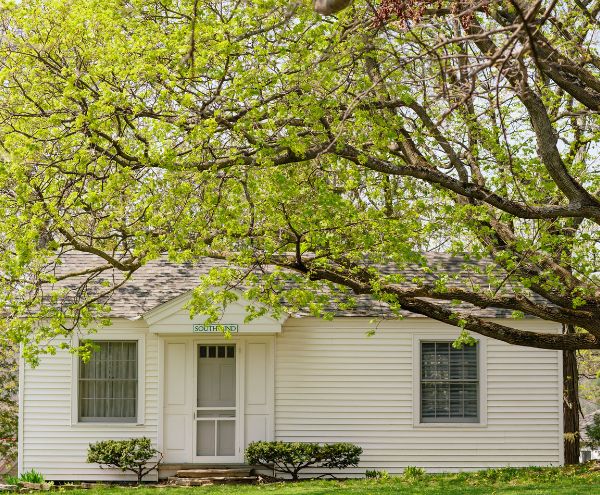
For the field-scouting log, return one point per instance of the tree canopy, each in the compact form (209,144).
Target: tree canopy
(265,134)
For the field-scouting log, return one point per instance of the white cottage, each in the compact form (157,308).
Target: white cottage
(403,394)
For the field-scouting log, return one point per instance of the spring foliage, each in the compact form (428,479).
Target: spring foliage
(311,150)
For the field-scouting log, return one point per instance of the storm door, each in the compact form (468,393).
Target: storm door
(216,413)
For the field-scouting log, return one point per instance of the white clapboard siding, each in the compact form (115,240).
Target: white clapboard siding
(52,443)
(333,383)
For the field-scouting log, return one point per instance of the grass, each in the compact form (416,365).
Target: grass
(577,480)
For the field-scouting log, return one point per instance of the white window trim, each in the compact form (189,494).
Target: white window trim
(482,365)
(141,405)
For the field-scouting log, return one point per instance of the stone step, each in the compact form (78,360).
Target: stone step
(214,473)
(214,480)
(226,480)
(173,480)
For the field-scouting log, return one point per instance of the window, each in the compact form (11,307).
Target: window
(217,351)
(108,383)
(449,383)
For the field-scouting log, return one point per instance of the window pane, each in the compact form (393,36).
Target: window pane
(442,361)
(226,437)
(205,441)
(108,383)
(428,409)
(449,383)
(428,361)
(456,365)
(442,400)
(428,391)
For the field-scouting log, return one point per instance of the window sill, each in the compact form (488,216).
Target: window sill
(450,425)
(119,426)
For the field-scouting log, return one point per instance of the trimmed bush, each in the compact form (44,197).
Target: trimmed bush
(293,457)
(134,455)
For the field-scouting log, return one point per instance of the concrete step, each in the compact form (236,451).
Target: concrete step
(214,473)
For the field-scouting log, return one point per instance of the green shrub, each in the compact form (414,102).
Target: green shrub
(32,477)
(133,455)
(11,480)
(413,472)
(377,474)
(293,457)
(593,432)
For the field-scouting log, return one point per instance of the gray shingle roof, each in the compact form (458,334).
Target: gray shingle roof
(160,281)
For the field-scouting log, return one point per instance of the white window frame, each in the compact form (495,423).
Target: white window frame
(482,367)
(141,397)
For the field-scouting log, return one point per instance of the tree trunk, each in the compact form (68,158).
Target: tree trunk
(570,404)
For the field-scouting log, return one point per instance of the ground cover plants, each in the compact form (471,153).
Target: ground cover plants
(27,477)
(574,480)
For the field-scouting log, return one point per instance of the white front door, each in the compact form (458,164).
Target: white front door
(218,396)
(216,413)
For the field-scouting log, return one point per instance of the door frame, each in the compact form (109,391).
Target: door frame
(239,399)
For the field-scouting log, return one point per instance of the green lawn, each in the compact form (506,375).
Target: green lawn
(509,481)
